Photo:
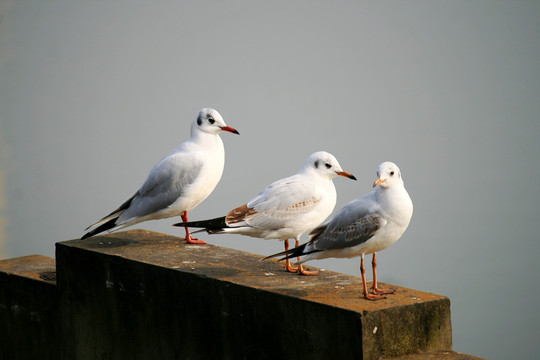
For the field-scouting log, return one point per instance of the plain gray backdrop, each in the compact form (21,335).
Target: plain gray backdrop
(94,93)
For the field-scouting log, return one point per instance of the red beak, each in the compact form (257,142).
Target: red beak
(346,174)
(229,129)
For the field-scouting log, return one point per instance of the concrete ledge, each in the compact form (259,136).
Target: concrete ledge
(436,355)
(28,308)
(144,295)
(140,294)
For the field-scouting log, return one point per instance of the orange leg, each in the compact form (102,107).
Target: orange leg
(376,290)
(288,261)
(190,239)
(301,269)
(367,296)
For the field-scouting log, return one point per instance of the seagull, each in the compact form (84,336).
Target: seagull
(286,208)
(179,182)
(364,226)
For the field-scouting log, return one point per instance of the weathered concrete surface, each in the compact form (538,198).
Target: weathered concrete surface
(28,308)
(140,294)
(435,355)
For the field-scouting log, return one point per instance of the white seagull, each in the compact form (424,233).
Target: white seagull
(179,182)
(286,208)
(364,226)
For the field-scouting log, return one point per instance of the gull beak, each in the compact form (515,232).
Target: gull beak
(229,129)
(346,174)
(379,181)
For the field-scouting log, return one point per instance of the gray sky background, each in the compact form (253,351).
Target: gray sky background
(94,93)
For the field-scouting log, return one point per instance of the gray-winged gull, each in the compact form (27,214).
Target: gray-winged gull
(286,208)
(364,226)
(179,182)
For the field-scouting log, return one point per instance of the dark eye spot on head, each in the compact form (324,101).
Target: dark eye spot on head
(316,164)
(199,121)
(328,166)
(391,173)
(211,120)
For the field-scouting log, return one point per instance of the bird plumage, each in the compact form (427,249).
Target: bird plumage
(178,182)
(363,226)
(288,207)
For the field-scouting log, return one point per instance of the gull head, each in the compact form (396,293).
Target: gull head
(210,121)
(325,165)
(388,174)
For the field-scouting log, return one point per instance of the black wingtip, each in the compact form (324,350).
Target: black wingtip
(275,255)
(103,227)
(291,253)
(212,224)
(294,252)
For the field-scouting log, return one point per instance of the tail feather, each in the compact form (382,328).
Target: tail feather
(294,252)
(103,227)
(105,220)
(208,225)
(105,223)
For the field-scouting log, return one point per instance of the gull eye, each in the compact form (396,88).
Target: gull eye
(328,166)
(391,173)
(211,120)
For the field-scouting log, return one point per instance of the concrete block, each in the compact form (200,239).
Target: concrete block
(140,294)
(28,308)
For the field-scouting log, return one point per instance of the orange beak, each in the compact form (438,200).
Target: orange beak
(230,129)
(378,182)
(346,174)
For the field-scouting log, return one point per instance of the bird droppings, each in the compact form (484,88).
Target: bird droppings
(374,330)
(269,274)
(194,247)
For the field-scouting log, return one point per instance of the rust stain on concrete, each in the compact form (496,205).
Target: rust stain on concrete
(36,267)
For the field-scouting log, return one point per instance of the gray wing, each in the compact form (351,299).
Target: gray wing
(353,225)
(165,184)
